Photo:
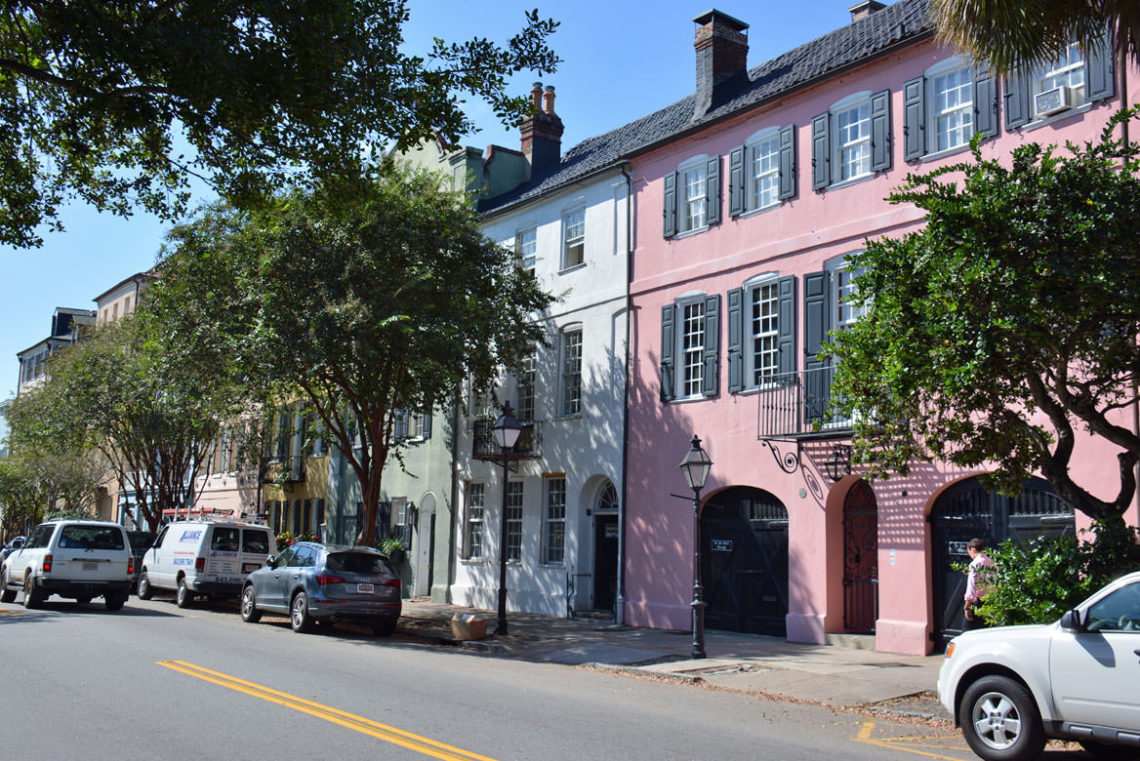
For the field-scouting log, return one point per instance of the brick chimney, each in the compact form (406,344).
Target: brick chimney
(864,8)
(722,53)
(542,133)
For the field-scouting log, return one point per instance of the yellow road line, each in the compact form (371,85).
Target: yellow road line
(404,739)
(864,736)
(11,612)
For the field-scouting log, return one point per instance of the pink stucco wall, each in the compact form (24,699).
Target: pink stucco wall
(794,238)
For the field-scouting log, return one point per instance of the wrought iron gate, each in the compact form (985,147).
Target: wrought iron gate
(860,559)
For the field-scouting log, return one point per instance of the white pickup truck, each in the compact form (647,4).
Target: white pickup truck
(1010,688)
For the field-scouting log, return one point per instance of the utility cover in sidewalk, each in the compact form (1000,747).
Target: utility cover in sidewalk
(609,654)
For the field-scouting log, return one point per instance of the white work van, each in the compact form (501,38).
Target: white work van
(209,558)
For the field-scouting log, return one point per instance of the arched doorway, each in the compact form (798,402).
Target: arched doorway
(860,559)
(966,510)
(606,538)
(744,561)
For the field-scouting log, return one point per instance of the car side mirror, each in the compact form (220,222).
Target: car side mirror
(1071,621)
(271,561)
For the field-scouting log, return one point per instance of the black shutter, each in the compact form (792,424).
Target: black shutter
(712,191)
(1016,100)
(668,342)
(1099,83)
(710,376)
(914,118)
(881,131)
(787,162)
(736,323)
(736,182)
(786,315)
(985,104)
(670,210)
(815,317)
(820,152)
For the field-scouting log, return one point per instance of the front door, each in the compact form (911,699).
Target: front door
(860,559)
(605,561)
(424,547)
(966,510)
(744,562)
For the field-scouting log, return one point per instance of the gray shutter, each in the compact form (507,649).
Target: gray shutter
(1099,83)
(401,423)
(914,118)
(787,162)
(820,152)
(985,104)
(1016,100)
(815,317)
(425,426)
(712,191)
(736,182)
(786,314)
(881,130)
(710,375)
(736,321)
(668,342)
(670,210)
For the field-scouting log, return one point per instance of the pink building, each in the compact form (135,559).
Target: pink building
(750,196)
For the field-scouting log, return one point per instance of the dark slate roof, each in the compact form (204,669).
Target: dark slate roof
(903,22)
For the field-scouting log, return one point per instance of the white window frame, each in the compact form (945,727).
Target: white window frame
(574,237)
(475,511)
(962,109)
(762,167)
(692,191)
(690,324)
(859,145)
(526,247)
(525,388)
(513,541)
(554,520)
(769,283)
(842,277)
(1068,67)
(570,370)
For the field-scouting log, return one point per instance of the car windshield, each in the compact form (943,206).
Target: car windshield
(81,537)
(358,562)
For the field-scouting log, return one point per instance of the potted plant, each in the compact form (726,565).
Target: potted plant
(394,548)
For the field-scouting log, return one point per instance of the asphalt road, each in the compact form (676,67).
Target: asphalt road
(156,682)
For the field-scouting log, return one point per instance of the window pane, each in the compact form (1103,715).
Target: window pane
(574,238)
(554,525)
(765,174)
(225,539)
(514,520)
(693,212)
(764,328)
(854,128)
(953,108)
(572,372)
(526,247)
(525,389)
(692,348)
(475,520)
(79,537)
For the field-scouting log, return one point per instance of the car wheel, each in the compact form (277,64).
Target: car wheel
(1000,720)
(249,612)
(146,591)
(114,602)
(6,595)
(183,597)
(299,616)
(33,597)
(1110,752)
(384,627)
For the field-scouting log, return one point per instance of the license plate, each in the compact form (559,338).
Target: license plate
(365,589)
(90,566)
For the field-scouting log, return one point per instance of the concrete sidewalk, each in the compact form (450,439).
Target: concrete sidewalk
(832,675)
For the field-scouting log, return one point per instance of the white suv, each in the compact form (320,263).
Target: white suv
(1011,687)
(75,559)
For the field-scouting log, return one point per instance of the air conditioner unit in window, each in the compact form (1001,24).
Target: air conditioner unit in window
(1053,101)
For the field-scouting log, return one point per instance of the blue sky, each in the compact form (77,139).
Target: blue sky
(621,60)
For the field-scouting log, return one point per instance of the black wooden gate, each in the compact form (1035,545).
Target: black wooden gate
(967,510)
(860,559)
(744,561)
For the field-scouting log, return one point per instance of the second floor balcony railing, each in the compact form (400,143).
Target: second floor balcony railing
(484,447)
(799,404)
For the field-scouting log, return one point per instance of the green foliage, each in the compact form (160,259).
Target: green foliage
(98,98)
(359,300)
(391,546)
(1005,328)
(1037,583)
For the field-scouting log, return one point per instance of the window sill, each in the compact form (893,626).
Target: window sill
(761,210)
(850,182)
(572,268)
(935,155)
(472,561)
(690,233)
(1046,121)
(691,399)
(551,565)
(575,416)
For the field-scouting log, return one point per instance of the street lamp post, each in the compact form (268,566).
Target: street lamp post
(696,465)
(506,431)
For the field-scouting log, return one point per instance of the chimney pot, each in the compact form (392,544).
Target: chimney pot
(864,8)
(542,133)
(536,96)
(548,101)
